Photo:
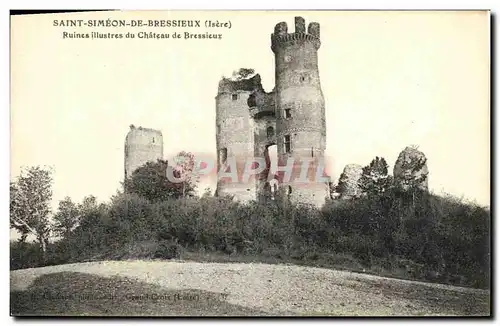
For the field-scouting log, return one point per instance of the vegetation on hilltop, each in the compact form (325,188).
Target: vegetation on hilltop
(390,231)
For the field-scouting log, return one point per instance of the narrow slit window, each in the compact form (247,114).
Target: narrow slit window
(288,113)
(153,140)
(234,97)
(223,156)
(288,144)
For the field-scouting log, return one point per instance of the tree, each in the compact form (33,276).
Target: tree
(344,187)
(184,169)
(243,73)
(150,181)
(88,204)
(341,186)
(66,218)
(375,179)
(21,228)
(332,189)
(69,214)
(30,196)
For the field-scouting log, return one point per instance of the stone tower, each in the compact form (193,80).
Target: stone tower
(142,145)
(300,108)
(234,136)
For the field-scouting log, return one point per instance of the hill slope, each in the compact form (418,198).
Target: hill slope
(189,288)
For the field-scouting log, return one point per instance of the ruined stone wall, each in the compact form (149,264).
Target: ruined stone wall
(235,136)
(142,145)
(265,136)
(349,181)
(262,111)
(411,169)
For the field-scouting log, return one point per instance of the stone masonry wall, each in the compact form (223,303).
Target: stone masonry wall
(234,136)
(142,145)
(298,90)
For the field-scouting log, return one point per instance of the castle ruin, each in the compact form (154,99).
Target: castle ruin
(142,145)
(292,117)
(411,169)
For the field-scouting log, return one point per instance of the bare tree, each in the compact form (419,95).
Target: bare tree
(30,197)
(184,168)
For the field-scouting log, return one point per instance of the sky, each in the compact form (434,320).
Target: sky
(390,80)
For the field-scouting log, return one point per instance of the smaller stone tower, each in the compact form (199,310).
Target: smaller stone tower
(142,145)
(235,134)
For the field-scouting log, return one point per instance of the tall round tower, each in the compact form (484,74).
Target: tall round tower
(300,109)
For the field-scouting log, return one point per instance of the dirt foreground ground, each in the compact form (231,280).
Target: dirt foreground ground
(230,289)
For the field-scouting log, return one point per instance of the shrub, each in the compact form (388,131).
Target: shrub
(167,250)
(24,255)
(440,238)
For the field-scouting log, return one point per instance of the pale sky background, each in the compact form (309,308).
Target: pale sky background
(390,79)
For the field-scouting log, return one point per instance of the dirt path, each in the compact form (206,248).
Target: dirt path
(285,289)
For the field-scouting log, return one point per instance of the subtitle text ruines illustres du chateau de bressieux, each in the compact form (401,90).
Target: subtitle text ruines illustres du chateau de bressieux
(139,23)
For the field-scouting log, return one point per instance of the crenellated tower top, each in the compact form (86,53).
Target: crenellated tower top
(281,37)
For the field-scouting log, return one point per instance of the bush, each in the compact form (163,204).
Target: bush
(167,250)
(414,235)
(25,255)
